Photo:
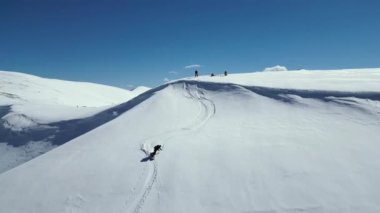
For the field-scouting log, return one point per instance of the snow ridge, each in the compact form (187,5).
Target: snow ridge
(206,110)
(266,150)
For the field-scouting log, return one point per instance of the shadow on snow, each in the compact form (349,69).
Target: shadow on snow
(282,95)
(61,132)
(147,158)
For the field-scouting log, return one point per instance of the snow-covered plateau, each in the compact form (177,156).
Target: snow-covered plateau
(289,141)
(38,114)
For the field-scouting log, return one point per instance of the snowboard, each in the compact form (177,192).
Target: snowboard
(152,156)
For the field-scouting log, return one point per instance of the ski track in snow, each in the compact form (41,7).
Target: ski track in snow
(207,110)
(151,179)
(208,106)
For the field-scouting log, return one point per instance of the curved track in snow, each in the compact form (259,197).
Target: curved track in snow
(207,109)
(197,91)
(207,106)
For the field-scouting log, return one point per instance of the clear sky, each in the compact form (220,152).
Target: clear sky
(142,42)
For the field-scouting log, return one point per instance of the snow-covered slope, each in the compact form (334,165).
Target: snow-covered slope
(25,87)
(34,111)
(227,147)
(337,80)
(40,100)
(140,89)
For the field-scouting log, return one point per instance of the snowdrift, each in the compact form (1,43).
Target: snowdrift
(227,147)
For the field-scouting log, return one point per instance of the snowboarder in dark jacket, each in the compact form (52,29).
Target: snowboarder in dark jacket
(196,73)
(156,148)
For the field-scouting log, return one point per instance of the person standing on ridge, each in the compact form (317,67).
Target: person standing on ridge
(196,73)
(225,73)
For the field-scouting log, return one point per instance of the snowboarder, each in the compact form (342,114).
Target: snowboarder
(225,73)
(212,75)
(196,73)
(156,148)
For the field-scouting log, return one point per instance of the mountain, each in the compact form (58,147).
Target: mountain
(35,113)
(292,141)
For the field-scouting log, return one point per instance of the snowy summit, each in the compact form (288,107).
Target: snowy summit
(291,141)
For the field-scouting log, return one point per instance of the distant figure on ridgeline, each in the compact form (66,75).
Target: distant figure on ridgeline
(225,73)
(196,73)
(212,75)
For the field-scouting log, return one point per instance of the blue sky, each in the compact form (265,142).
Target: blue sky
(141,42)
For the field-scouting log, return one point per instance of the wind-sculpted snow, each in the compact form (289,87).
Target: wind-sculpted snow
(354,80)
(227,147)
(287,95)
(276,93)
(4,110)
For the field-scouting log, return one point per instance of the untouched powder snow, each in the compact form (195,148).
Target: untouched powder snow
(228,146)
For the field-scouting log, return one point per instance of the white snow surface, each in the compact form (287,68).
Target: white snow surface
(140,89)
(11,157)
(263,142)
(25,87)
(50,100)
(356,80)
(35,103)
